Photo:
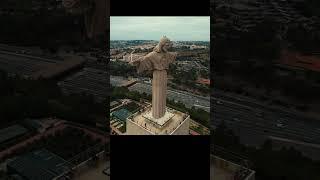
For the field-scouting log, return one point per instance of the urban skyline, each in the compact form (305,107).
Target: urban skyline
(186,28)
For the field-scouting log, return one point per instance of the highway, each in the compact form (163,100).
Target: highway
(89,80)
(188,99)
(118,80)
(22,64)
(254,122)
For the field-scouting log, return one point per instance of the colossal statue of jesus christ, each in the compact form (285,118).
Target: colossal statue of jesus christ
(158,62)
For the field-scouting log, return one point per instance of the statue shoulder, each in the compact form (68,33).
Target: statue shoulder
(152,54)
(174,54)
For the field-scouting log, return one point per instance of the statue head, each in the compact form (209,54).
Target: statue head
(163,45)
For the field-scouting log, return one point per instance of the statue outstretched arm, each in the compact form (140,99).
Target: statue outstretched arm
(135,60)
(142,63)
(172,57)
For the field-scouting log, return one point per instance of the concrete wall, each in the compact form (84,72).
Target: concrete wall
(230,167)
(134,129)
(183,129)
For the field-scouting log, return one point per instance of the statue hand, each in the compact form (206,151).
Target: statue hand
(135,60)
(131,60)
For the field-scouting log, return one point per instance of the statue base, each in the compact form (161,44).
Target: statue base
(172,123)
(160,121)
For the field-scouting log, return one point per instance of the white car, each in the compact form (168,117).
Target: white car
(236,119)
(219,102)
(259,114)
(280,125)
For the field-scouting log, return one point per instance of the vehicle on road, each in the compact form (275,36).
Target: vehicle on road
(236,119)
(219,102)
(280,125)
(259,114)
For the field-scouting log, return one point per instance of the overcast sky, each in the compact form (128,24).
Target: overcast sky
(153,28)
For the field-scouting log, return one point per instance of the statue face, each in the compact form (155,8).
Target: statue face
(167,46)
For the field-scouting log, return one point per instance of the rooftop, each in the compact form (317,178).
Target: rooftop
(294,59)
(89,80)
(203,81)
(121,114)
(114,103)
(35,67)
(96,172)
(40,164)
(121,81)
(39,123)
(11,132)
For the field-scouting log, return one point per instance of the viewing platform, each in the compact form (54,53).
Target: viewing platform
(172,123)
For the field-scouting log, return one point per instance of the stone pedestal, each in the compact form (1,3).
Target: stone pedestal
(172,123)
(159,93)
(160,121)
